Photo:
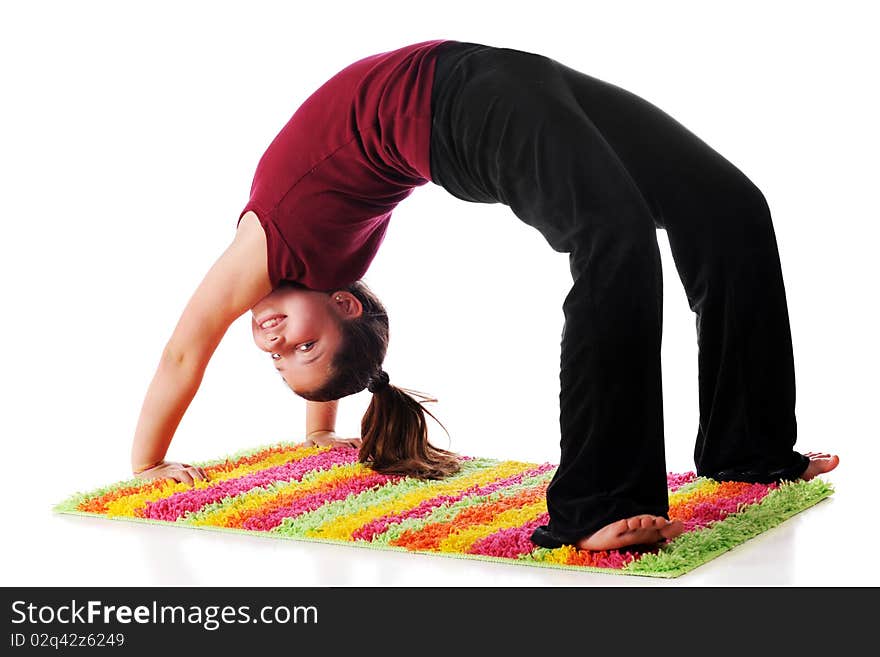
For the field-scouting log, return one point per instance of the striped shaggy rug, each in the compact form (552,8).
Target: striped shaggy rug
(486,511)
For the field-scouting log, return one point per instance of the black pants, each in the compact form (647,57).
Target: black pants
(597,170)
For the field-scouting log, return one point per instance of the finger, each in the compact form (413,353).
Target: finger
(194,472)
(183,477)
(204,473)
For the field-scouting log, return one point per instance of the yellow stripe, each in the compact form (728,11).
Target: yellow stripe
(463,540)
(564,554)
(253,500)
(703,489)
(343,526)
(126,506)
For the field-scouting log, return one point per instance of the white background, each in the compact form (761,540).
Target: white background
(129,139)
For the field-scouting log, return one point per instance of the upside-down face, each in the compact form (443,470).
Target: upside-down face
(300,329)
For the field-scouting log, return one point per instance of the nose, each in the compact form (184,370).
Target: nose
(274,342)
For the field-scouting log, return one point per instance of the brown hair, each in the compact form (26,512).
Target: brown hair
(394,431)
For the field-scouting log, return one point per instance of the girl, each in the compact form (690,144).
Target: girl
(594,168)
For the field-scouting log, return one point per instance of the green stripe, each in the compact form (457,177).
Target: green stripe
(352,504)
(688,487)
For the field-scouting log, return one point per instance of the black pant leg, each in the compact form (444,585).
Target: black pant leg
(507,130)
(724,245)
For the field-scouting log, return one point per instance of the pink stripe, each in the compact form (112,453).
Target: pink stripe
(510,542)
(616,558)
(674,480)
(380,525)
(179,504)
(273,517)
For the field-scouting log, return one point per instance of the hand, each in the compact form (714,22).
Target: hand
(330,439)
(181,472)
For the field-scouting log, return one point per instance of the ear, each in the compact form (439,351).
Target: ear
(347,305)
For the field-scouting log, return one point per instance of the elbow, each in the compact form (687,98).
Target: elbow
(192,358)
(175,355)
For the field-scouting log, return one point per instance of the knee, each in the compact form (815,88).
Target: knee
(626,247)
(739,222)
(750,205)
(753,231)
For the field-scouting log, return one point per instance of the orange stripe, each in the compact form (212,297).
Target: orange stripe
(686,507)
(431,535)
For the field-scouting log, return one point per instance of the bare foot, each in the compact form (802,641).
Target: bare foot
(820,463)
(638,530)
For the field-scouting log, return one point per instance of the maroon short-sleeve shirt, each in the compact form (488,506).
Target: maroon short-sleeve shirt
(325,188)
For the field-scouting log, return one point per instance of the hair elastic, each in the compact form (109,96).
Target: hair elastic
(378,382)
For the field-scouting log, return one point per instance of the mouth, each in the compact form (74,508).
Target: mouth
(271,321)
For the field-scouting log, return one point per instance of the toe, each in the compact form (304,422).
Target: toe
(640,522)
(642,529)
(673,529)
(616,528)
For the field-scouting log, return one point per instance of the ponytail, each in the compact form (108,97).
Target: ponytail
(394,434)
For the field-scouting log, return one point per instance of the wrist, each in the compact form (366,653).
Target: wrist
(144,468)
(318,433)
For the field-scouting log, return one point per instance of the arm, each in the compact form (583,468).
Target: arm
(321,425)
(233,285)
(321,417)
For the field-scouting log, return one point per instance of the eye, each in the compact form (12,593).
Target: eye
(306,346)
